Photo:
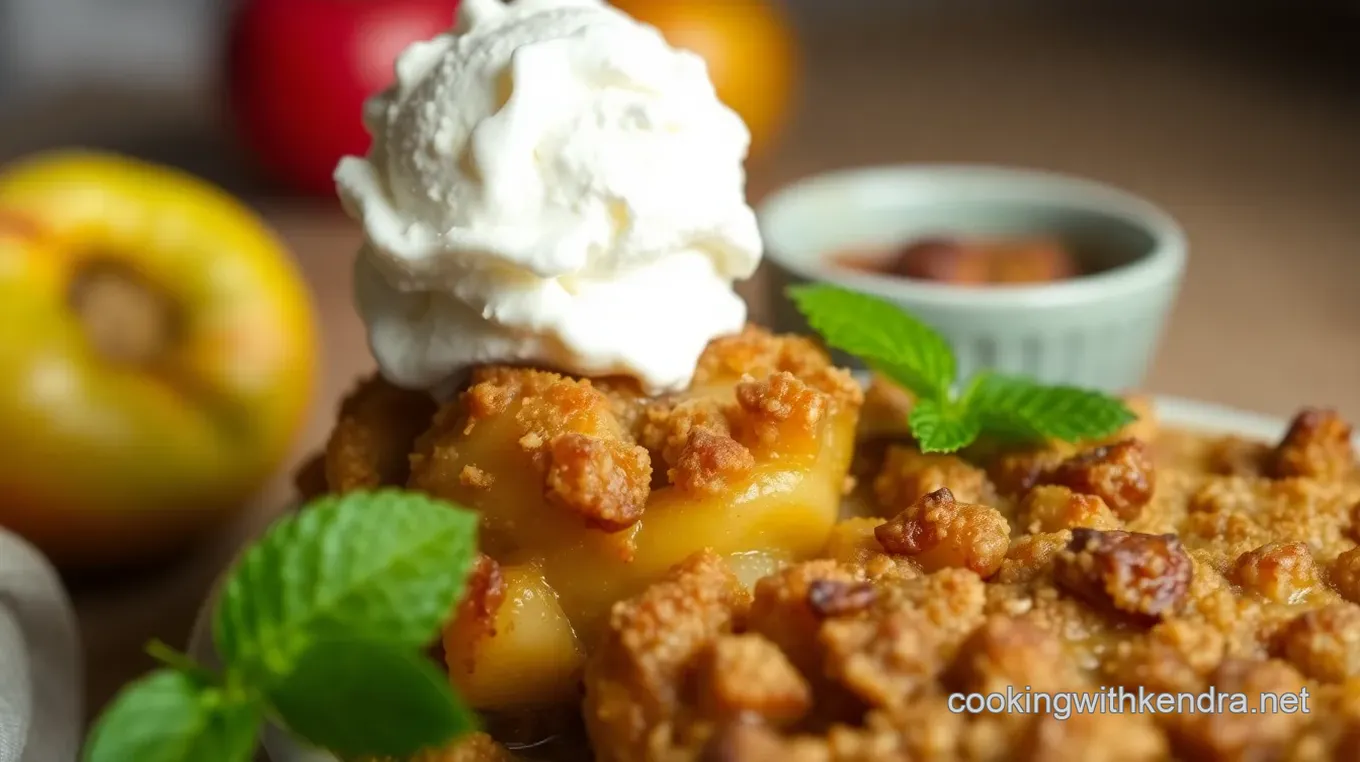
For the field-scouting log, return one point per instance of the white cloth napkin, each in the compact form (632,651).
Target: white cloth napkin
(41,690)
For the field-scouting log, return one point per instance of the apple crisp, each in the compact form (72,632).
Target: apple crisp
(1167,561)
(1156,560)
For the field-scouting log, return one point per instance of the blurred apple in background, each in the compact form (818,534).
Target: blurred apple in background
(750,48)
(157,359)
(299,71)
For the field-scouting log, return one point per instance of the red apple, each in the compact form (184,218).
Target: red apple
(299,71)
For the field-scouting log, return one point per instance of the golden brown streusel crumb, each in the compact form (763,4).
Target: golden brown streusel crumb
(776,413)
(1091,738)
(1141,575)
(886,408)
(475,620)
(1121,474)
(1324,643)
(938,532)
(378,426)
(742,675)
(472,476)
(605,481)
(1234,456)
(1051,508)
(1317,445)
(783,607)
(1007,651)
(474,747)
(908,475)
(1233,736)
(651,641)
(757,352)
(745,741)
(666,425)
(885,661)
(1030,557)
(711,463)
(1283,572)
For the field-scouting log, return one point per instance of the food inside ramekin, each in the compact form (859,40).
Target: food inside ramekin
(971,261)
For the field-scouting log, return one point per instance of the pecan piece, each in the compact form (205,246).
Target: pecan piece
(1121,474)
(1283,572)
(938,532)
(833,597)
(1144,576)
(1317,445)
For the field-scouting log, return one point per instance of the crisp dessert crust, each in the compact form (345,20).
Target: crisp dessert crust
(589,490)
(1163,560)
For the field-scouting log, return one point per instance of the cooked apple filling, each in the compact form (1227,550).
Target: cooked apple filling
(589,491)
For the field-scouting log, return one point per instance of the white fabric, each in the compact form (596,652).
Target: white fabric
(40,661)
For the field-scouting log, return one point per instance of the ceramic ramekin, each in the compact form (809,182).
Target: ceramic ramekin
(1098,331)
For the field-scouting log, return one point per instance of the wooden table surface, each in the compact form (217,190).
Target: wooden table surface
(1254,149)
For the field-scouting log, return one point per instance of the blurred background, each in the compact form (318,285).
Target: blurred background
(1242,119)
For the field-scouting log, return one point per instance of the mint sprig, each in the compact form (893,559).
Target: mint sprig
(320,627)
(943,419)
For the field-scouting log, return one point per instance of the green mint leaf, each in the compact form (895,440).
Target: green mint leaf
(358,698)
(385,566)
(170,716)
(1017,406)
(882,335)
(942,427)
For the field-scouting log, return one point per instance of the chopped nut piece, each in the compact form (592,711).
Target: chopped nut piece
(1317,445)
(1121,474)
(1283,572)
(832,598)
(1145,576)
(1014,473)
(937,532)
(1345,575)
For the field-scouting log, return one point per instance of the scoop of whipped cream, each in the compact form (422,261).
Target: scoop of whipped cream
(550,183)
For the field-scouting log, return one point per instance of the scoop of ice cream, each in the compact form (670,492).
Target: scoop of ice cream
(549,183)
